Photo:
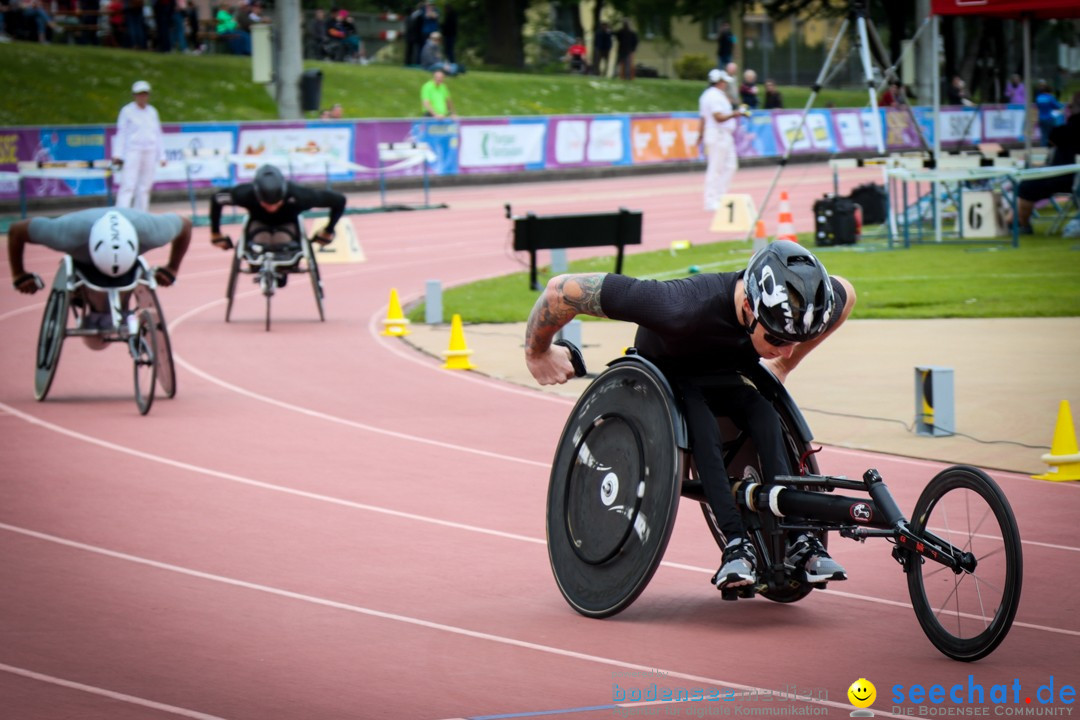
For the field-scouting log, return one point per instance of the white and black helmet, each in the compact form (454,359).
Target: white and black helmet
(114,244)
(790,292)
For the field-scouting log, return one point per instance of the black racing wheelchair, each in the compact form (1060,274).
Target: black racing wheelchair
(132,315)
(271,265)
(623,462)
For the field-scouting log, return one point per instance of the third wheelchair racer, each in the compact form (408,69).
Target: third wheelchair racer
(699,329)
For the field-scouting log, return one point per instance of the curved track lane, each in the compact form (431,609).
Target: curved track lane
(324,524)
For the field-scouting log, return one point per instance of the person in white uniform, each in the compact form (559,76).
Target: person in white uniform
(716,137)
(138,148)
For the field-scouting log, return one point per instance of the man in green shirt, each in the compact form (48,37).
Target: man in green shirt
(435,96)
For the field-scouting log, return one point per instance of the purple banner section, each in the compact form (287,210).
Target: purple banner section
(200,155)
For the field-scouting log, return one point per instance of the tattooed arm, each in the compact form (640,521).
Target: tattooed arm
(564,297)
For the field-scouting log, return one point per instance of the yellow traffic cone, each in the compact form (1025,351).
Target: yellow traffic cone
(396,323)
(1064,456)
(457,356)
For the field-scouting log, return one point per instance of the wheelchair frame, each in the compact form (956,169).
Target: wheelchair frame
(142,329)
(268,265)
(624,460)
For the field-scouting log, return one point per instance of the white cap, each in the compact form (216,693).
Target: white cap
(716,76)
(140,86)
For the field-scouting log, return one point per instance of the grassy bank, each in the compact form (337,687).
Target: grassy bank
(1041,278)
(68,84)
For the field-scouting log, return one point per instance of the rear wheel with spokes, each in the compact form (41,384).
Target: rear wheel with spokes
(966,615)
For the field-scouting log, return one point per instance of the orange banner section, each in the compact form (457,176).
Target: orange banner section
(664,139)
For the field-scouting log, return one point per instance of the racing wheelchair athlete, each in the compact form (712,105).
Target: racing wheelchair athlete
(108,287)
(273,244)
(698,410)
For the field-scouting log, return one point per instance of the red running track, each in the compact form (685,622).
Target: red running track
(325,524)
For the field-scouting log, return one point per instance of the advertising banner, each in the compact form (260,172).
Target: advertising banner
(665,139)
(493,146)
(198,153)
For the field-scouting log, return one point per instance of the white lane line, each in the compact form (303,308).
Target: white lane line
(414,356)
(255,483)
(405,515)
(405,619)
(20,311)
(111,694)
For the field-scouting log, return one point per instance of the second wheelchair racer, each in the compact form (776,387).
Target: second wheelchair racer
(274,206)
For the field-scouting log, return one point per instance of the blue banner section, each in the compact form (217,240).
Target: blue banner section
(221,154)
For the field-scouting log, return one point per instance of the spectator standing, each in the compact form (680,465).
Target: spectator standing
(627,40)
(179,37)
(430,23)
(135,23)
(449,32)
(716,136)
(732,88)
(138,147)
(773,99)
(316,35)
(414,35)
(725,45)
(163,20)
(602,42)
(435,96)
(1047,105)
(748,91)
(90,10)
(1015,92)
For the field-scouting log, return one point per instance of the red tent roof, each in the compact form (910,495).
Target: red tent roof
(1008,8)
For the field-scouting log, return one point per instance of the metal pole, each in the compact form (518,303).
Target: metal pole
(937,124)
(814,90)
(868,72)
(1029,126)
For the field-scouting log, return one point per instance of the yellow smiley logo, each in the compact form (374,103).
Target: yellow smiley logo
(862,693)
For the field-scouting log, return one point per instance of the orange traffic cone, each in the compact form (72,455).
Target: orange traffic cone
(395,323)
(785,229)
(1064,456)
(457,355)
(761,239)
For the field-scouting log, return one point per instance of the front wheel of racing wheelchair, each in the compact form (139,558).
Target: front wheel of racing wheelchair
(624,460)
(271,265)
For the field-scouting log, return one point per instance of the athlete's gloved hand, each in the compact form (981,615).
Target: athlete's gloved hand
(323,238)
(222,241)
(164,276)
(28,283)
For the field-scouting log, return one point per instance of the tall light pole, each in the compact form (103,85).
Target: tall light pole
(290,60)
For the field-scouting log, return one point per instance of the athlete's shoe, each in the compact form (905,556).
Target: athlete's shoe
(738,567)
(808,554)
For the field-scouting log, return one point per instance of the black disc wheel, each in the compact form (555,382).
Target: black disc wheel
(50,340)
(967,614)
(144,354)
(614,490)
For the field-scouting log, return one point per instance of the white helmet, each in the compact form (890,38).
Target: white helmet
(114,244)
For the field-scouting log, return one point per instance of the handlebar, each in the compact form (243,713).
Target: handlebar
(576,358)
